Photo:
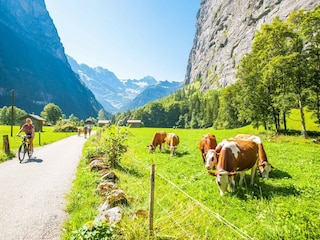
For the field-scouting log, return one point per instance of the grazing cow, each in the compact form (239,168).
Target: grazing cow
(207,142)
(172,141)
(158,139)
(234,156)
(264,166)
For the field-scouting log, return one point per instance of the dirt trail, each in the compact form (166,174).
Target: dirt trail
(32,194)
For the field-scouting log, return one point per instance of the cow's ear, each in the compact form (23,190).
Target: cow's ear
(212,173)
(232,173)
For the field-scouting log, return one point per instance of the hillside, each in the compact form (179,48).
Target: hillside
(33,63)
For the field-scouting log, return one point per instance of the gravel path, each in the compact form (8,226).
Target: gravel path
(32,194)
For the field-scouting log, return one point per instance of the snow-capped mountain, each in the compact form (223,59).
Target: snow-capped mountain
(117,95)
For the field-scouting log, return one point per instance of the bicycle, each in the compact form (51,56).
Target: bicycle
(24,148)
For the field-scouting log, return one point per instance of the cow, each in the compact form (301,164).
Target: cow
(207,142)
(157,140)
(172,140)
(234,156)
(264,166)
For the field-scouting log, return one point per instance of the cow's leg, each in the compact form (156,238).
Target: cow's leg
(232,183)
(171,151)
(242,175)
(160,146)
(253,173)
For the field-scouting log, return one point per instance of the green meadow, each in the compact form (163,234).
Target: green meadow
(187,202)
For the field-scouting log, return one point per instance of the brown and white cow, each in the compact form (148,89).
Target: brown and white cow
(207,142)
(172,140)
(234,156)
(264,166)
(157,140)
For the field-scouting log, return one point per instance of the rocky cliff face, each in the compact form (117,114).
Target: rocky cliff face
(30,19)
(34,65)
(224,33)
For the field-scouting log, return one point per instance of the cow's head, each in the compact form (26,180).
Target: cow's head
(223,180)
(211,159)
(265,167)
(151,148)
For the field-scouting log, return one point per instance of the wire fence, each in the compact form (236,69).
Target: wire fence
(187,228)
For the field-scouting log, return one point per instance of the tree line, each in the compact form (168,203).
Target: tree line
(281,72)
(52,114)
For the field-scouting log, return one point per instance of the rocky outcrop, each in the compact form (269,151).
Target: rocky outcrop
(224,33)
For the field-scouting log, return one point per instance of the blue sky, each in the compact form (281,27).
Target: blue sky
(131,38)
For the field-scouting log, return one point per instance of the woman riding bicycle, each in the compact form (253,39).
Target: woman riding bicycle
(28,128)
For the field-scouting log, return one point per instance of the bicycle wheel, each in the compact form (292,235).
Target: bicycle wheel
(29,153)
(22,151)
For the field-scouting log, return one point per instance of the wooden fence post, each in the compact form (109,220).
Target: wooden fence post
(6,145)
(151,200)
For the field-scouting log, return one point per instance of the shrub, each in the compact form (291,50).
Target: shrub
(65,126)
(95,230)
(115,144)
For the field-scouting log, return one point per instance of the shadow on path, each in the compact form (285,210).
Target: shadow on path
(32,160)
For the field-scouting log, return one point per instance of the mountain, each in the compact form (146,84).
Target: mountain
(117,95)
(33,63)
(152,93)
(224,33)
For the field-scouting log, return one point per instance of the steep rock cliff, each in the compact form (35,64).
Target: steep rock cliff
(224,33)
(30,20)
(34,65)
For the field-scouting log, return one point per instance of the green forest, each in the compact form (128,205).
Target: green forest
(281,73)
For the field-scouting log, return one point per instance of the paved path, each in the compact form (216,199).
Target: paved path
(32,194)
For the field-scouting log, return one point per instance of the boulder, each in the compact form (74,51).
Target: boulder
(110,177)
(111,215)
(98,165)
(117,197)
(106,187)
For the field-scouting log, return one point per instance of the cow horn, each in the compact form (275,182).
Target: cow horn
(212,173)
(232,173)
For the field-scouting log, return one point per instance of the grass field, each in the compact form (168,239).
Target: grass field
(187,200)
(42,138)
(188,205)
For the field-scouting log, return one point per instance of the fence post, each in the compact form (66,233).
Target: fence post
(39,138)
(151,200)
(6,145)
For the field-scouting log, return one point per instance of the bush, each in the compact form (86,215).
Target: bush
(95,230)
(115,144)
(65,126)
